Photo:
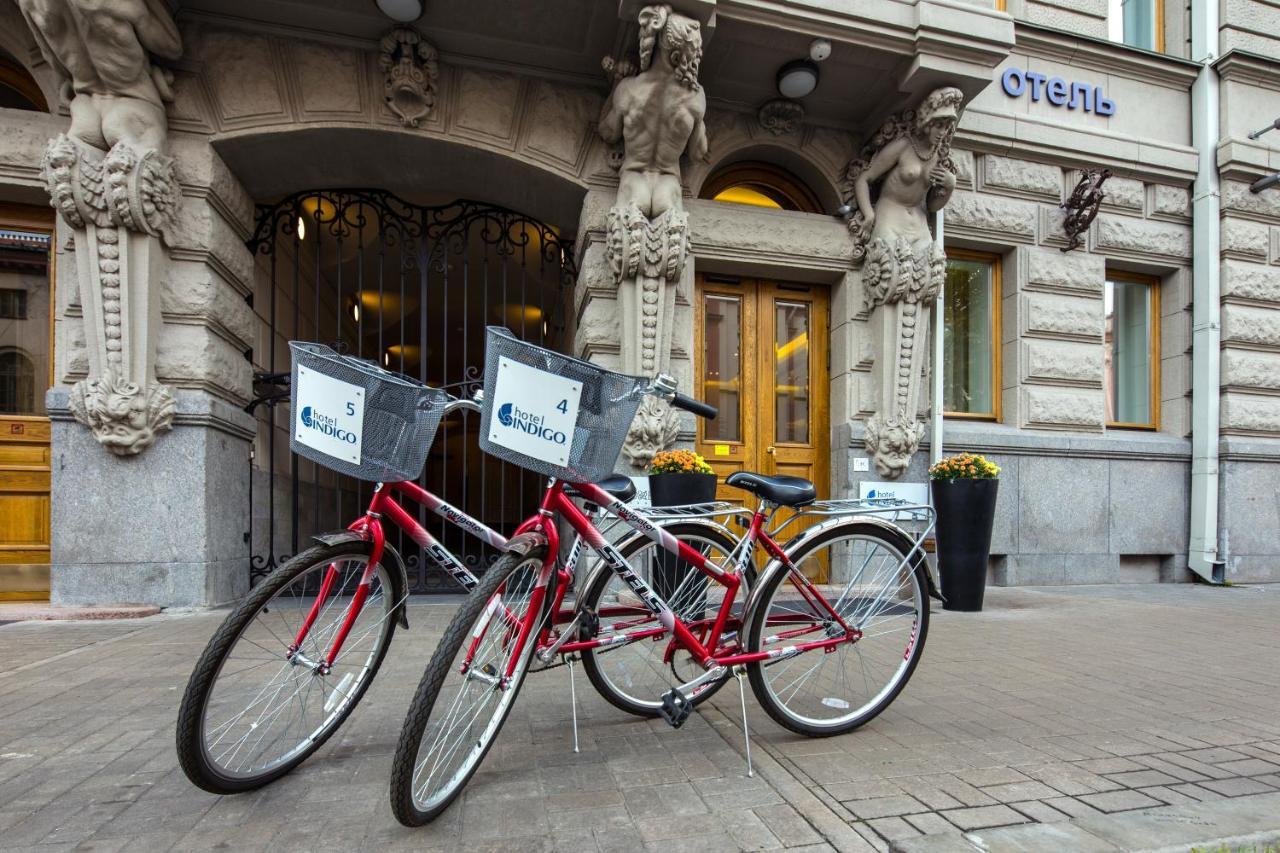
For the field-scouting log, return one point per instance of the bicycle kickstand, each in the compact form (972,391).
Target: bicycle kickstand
(738,672)
(573,700)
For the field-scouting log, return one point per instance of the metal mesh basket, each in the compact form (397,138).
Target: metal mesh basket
(358,419)
(556,415)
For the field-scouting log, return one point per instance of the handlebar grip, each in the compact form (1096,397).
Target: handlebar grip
(699,408)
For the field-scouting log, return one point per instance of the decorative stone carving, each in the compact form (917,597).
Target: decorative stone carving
(113,184)
(654,116)
(781,116)
(1083,206)
(904,173)
(411,69)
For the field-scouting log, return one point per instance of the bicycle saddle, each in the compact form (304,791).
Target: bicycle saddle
(619,485)
(779,489)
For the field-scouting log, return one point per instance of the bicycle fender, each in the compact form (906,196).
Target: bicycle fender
(399,577)
(524,543)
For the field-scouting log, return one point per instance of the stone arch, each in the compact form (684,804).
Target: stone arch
(18,45)
(815,155)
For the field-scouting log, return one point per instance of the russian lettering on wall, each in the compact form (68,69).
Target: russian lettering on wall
(1056,91)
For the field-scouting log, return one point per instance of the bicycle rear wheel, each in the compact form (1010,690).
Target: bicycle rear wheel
(633,675)
(463,698)
(254,709)
(874,589)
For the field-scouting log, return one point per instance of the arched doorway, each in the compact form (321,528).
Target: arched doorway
(411,287)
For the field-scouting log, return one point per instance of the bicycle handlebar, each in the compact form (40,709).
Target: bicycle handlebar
(699,408)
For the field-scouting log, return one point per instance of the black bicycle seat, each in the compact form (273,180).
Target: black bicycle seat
(779,489)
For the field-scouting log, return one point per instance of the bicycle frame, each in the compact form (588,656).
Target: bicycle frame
(556,503)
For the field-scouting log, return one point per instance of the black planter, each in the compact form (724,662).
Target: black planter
(966,513)
(669,571)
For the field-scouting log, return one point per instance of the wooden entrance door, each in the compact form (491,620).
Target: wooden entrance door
(26,365)
(762,359)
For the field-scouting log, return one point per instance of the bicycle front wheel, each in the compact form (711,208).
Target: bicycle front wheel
(464,696)
(867,579)
(254,707)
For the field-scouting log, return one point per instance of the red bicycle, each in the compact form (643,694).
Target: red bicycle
(290,663)
(822,658)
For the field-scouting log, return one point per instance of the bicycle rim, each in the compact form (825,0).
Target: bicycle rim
(267,708)
(874,590)
(470,706)
(634,675)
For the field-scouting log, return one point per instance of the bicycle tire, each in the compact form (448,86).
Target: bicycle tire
(193,754)
(594,660)
(464,625)
(763,687)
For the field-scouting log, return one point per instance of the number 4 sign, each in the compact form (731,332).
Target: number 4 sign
(535,413)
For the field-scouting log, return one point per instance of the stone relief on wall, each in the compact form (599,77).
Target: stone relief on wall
(902,175)
(113,184)
(411,69)
(781,116)
(656,116)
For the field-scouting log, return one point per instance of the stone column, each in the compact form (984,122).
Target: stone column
(655,113)
(150,447)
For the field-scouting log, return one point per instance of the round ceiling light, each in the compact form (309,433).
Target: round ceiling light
(403,11)
(797,78)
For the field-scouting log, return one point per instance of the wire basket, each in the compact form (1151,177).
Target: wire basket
(355,418)
(556,415)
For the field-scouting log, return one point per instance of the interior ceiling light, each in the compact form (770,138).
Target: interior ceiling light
(797,78)
(403,11)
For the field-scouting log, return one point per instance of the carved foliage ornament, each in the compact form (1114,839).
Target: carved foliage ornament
(411,70)
(1083,206)
(781,116)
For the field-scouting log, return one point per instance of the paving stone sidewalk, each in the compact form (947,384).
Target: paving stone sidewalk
(1054,703)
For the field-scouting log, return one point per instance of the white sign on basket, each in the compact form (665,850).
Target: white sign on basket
(535,412)
(329,415)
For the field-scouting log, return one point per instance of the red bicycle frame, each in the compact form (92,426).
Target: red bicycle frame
(556,504)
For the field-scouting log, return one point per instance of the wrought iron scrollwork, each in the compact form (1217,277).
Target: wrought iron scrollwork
(337,258)
(1082,206)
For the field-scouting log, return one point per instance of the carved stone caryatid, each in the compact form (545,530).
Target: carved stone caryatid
(903,174)
(657,116)
(410,72)
(111,181)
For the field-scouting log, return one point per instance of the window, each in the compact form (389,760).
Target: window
(1131,363)
(18,89)
(1137,23)
(13,304)
(760,185)
(17,384)
(971,336)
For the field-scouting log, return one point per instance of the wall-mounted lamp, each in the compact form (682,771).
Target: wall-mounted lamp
(302,229)
(1265,183)
(1275,125)
(403,11)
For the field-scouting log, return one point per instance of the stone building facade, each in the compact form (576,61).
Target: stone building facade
(163,315)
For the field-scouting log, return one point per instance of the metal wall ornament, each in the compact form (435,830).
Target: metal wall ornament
(411,69)
(1082,207)
(781,116)
(411,287)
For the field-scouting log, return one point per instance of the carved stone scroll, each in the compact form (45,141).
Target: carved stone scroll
(653,115)
(112,183)
(903,174)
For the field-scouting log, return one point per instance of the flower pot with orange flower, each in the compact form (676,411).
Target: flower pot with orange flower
(677,478)
(964,490)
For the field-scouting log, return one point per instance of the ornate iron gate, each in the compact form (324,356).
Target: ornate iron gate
(411,287)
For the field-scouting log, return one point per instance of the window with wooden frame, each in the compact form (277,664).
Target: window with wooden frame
(1131,361)
(760,185)
(1137,23)
(971,336)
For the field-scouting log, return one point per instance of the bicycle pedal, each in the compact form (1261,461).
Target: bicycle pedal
(676,707)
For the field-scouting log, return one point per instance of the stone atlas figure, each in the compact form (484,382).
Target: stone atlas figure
(902,176)
(115,187)
(658,116)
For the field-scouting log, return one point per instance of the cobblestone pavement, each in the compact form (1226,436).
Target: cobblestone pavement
(1053,703)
